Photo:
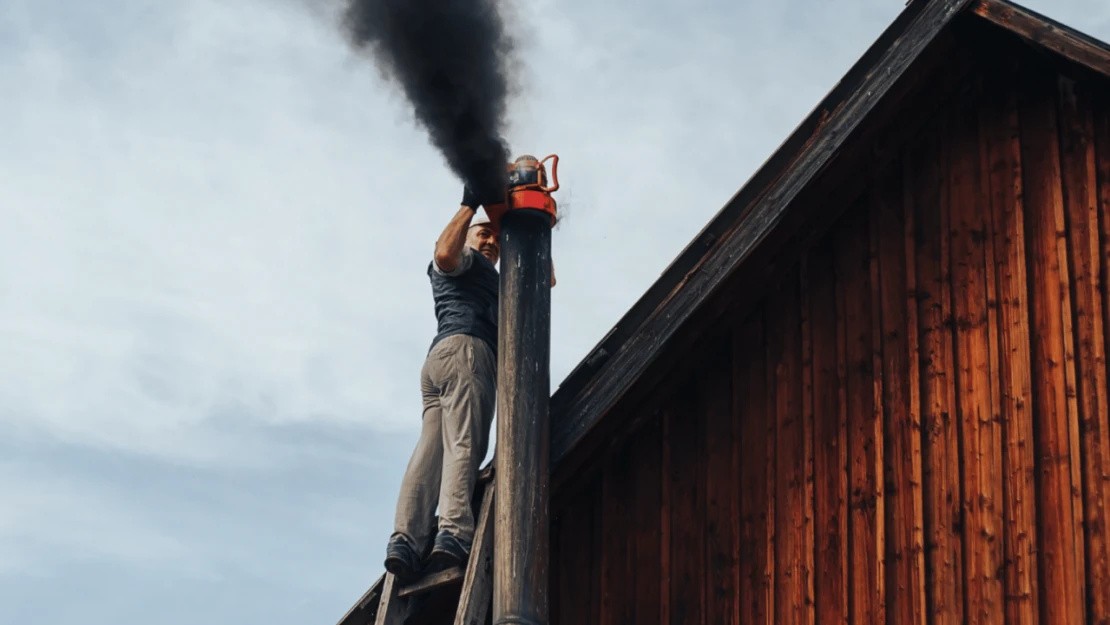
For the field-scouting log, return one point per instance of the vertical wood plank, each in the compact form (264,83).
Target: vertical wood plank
(927,182)
(792,525)
(1079,178)
(687,509)
(979,433)
(878,463)
(1100,480)
(808,535)
(905,564)
(756,454)
(476,596)
(715,395)
(1007,237)
(616,569)
(392,609)
(646,522)
(1060,554)
(830,439)
(665,497)
(555,573)
(596,545)
(575,541)
(866,598)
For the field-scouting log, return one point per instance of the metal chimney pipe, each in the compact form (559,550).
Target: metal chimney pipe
(521,527)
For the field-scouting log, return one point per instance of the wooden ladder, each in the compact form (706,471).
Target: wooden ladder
(399,601)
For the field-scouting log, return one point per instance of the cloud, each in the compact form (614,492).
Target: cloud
(198,229)
(50,518)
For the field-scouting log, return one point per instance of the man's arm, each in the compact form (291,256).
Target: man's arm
(452,241)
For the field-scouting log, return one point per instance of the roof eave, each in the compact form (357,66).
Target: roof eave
(633,345)
(603,377)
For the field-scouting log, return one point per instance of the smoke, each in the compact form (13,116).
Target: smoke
(453,60)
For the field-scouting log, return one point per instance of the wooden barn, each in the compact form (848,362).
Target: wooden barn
(874,388)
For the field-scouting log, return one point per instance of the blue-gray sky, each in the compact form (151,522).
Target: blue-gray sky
(215,225)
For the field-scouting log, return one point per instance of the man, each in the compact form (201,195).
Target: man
(458,383)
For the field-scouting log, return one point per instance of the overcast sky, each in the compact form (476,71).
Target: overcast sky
(214,226)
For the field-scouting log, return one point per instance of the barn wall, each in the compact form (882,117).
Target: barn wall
(913,427)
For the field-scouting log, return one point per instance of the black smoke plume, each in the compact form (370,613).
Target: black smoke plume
(452,60)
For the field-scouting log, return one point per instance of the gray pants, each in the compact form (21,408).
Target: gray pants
(458,383)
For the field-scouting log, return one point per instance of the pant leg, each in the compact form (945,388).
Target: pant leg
(419,494)
(467,411)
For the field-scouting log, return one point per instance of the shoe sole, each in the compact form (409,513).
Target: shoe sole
(443,560)
(400,569)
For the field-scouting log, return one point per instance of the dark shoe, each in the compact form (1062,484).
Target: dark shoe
(401,560)
(448,552)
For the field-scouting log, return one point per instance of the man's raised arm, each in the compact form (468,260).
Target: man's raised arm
(452,241)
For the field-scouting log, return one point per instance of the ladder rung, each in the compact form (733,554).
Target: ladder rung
(433,581)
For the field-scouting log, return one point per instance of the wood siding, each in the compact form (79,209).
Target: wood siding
(913,428)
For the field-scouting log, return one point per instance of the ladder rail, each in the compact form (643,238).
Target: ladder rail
(395,602)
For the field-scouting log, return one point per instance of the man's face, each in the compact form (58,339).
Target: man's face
(483,239)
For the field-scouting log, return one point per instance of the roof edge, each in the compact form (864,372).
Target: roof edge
(755,210)
(671,277)
(1045,32)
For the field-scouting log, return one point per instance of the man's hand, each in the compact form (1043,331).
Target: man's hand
(496,205)
(470,199)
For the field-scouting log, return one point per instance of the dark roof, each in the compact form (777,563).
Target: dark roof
(766,201)
(767,204)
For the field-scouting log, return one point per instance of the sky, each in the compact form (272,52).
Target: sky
(216,220)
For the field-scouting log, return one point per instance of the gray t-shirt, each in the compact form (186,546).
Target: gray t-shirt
(466,299)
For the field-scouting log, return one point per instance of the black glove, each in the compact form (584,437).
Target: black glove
(470,198)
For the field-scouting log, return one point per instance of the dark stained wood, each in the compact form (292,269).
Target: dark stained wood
(793,527)
(576,559)
(897,323)
(647,522)
(616,558)
(476,595)
(365,609)
(1000,130)
(762,215)
(522,531)
(830,438)
(1099,427)
(980,434)
(808,484)
(595,545)
(1079,178)
(715,397)
(433,581)
(1060,553)
(866,537)
(393,609)
(665,524)
(756,452)
(1044,32)
(686,507)
(927,183)
(945,65)
(555,591)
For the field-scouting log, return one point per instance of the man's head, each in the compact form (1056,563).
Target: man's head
(483,238)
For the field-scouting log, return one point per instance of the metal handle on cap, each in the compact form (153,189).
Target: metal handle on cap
(554,173)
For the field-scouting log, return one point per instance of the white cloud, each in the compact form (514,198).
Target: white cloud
(52,519)
(197,229)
